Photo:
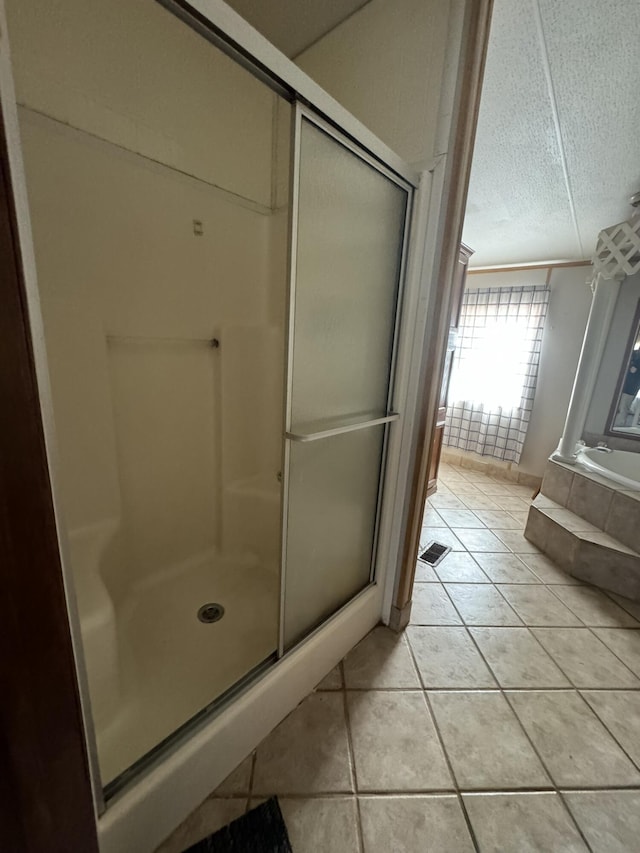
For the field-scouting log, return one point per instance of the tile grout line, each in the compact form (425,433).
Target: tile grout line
(523,729)
(611,651)
(352,760)
(590,628)
(576,689)
(439,792)
(556,786)
(609,593)
(575,821)
(584,625)
(519,721)
(636,764)
(436,727)
(563,689)
(506,698)
(568,606)
(254,758)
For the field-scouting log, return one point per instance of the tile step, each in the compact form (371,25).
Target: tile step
(583,550)
(583,529)
(597,500)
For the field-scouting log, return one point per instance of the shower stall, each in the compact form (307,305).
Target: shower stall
(220,279)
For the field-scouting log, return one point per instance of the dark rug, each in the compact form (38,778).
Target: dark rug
(262,830)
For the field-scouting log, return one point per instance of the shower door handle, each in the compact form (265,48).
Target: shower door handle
(316,434)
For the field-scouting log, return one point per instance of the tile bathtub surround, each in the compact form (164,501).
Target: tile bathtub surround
(458,736)
(590,500)
(560,544)
(557,483)
(623,520)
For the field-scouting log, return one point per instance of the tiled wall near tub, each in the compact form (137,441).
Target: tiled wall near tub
(623,519)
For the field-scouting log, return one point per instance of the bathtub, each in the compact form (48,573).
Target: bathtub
(620,466)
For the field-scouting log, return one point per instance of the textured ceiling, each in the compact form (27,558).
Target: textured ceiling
(558,144)
(294,25)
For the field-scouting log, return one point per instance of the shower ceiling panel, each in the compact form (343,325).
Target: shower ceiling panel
(558,143)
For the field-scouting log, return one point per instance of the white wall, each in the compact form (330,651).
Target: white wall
(385,64)
(614,355)
(569,305)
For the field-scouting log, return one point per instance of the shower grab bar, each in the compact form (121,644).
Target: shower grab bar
(303,435)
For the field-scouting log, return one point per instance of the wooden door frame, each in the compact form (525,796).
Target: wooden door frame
(45,790)
(456,183)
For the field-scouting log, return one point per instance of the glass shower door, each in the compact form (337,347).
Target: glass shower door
(348,235)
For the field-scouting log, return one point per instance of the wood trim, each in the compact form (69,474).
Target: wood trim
(458,167)
(45,792)
(550,265)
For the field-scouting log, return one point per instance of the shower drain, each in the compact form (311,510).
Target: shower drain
(210,612)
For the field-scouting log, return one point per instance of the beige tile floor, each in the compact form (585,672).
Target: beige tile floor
(506,718)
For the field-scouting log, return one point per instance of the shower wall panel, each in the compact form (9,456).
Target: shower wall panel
(125,282)
(129,72)
(166,409)
(151,171)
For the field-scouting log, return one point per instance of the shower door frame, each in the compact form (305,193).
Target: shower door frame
(302,112)
(226,30)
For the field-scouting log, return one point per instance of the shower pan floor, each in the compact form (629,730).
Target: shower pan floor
(173,665)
